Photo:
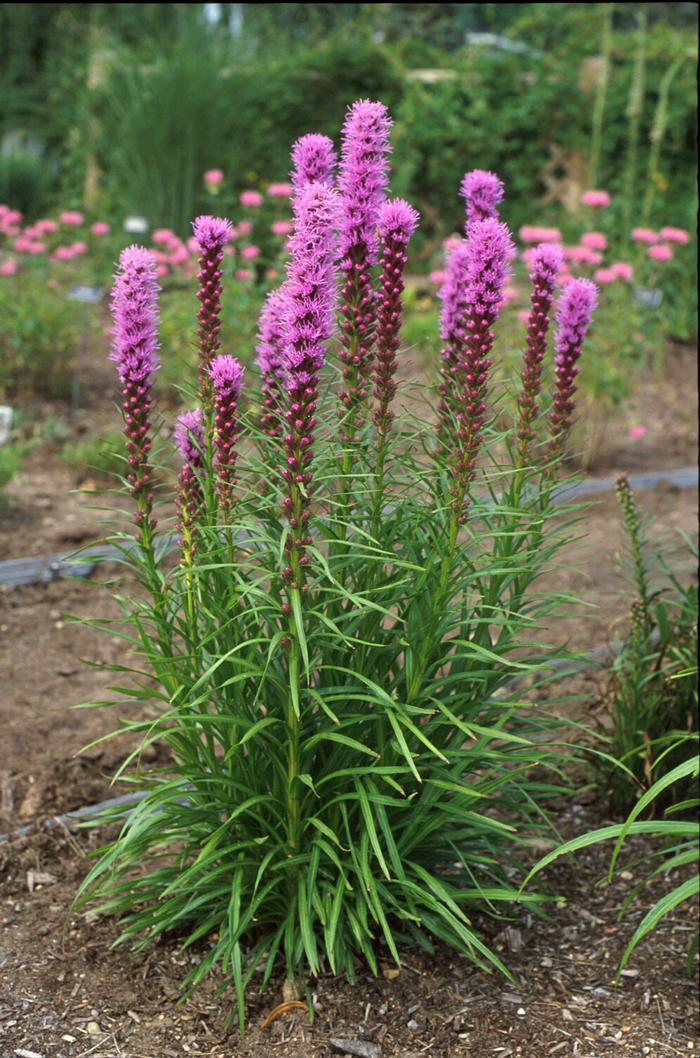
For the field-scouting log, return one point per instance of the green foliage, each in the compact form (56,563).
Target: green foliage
(25,181)
(10,463)
(101,456)
(39,337)
(653,690)
(678,830)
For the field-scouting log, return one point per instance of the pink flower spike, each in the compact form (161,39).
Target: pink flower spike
(596,199)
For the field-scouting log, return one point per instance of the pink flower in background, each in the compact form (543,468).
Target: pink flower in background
(534,233)
(635,432)
(271,273)
(62,253)
(71,218)
(192,245)
(679,235)
(645,235)
(605,276)
(596,199)
(164,237)
(565,278)
(281,227)
(594,240)
(245,227)
(623,270)
(252,199)
(280,190)
(162,270)
(22,244)
(46,227)
(9,268)
(452,242)
(250,253)
(660,253)
(179,254)
(524,316)
(214,177)
(244,274)
(100,227)
(79,248)
(509,294)
(438,276)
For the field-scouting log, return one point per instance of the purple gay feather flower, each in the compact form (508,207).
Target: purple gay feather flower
(212,234)
(134,308)
(189,437)
(364,174)
(574,314)
(314,160)
(363,179)
(397,223)
(482,192)
(454,297)
(227,379)
(482,265)
(547,259)
(309,314)
(270,359)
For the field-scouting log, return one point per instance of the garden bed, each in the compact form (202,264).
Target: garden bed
(66,994)
(114,1004)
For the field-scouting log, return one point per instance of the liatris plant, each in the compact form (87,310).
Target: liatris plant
(314,161)
(333,668)
(574,315)
(212,235)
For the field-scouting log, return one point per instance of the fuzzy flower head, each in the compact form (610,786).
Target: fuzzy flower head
(482,192)
(310,291)
(453,292)
(364,174)
(677,235)
(252,199)
(546,261)
(398,220)
(227,376)
(135,314)
(189,437)
(212,233)
(271,334)
(314,160)
(660,253)
(489,253)
(576,307)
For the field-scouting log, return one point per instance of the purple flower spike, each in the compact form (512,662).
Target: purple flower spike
(453,295)
(134,309)
(575,312)
(547,259)
(314,160)
(189,438)
(270,360)
(227,379)
(482,192)
(309,314)
(212,234)
(397,223)
(363,179)
(484,265)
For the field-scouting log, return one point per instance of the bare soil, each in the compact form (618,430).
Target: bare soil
(66,994)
